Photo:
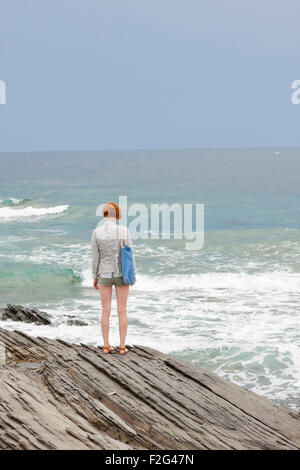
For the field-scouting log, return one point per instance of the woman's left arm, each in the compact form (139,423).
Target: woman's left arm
(95,259)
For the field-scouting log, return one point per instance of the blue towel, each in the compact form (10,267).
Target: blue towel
(127,265)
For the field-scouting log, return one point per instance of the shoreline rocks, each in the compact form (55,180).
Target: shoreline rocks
(27,315)
(33,315)
(57,395)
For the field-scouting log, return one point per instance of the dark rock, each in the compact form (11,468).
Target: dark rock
(56,395)
(75,322)
(28,315)
(32,315)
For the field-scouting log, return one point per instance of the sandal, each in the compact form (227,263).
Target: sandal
(107,349)
(123,350)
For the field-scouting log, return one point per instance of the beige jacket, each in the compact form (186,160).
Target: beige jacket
(107,241)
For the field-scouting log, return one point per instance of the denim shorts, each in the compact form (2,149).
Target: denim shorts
(111,281)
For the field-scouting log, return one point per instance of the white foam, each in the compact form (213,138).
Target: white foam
(11,213)
(87,278)
(280,281)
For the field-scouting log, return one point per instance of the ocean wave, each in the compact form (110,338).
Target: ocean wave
(40,277)
(277,281)
(12,213)
(12,201)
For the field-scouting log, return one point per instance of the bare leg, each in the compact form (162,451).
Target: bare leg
(122,296)
(105,294)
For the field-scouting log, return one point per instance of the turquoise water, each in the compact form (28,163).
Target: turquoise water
(232,307)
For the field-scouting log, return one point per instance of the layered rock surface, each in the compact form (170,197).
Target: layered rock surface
(56,395)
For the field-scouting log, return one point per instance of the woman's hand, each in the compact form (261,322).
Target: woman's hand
(95,283)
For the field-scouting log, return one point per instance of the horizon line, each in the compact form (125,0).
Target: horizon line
(154,149)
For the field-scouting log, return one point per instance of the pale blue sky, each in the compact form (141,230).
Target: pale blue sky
(113,74)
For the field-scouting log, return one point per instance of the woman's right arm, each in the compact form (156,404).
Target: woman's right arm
(129,243)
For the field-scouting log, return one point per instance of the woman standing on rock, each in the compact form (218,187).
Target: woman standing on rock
(107,241)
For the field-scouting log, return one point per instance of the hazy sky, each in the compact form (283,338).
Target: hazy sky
(110,74)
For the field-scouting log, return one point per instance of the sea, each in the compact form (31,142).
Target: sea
(231,306)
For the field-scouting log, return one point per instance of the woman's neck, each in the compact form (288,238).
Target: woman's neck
(111,219)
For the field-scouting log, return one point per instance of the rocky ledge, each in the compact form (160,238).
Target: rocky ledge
(56,395)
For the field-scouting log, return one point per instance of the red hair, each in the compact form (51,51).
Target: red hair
(110,209)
